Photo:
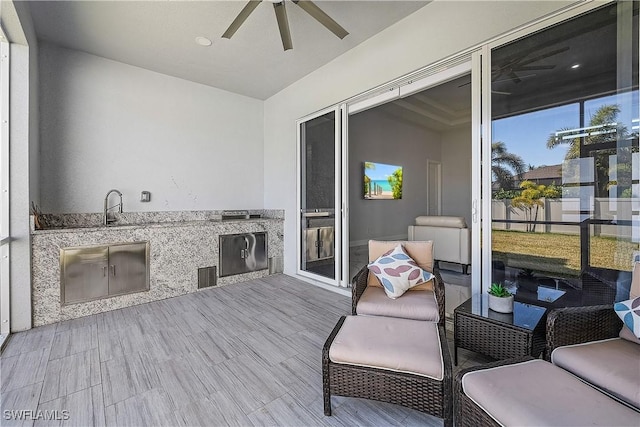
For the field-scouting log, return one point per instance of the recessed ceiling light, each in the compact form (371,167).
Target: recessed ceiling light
(574,66)
(203,41)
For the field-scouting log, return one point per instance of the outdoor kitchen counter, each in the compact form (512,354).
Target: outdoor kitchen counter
(179,246)
(193,223)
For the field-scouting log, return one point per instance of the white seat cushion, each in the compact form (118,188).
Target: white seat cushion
(398,345)
(537,393)
(442,221)
(416,305)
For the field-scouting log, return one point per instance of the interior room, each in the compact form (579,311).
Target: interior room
(321,212)
(429,135)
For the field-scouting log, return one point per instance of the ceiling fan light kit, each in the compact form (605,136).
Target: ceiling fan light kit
(283,23)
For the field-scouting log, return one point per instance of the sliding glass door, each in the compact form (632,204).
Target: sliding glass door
(565,192)
(319,191)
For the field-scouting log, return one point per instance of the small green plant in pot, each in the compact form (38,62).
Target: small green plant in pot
(500,299)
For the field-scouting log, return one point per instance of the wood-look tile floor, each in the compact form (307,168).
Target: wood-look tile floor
(247,354)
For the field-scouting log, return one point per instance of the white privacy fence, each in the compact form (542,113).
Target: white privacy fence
(558,212)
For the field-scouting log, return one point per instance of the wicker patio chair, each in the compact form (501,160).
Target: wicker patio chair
(414,391)
(363,279)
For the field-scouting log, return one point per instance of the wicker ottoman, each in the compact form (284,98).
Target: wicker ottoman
(400,361)
(533,392)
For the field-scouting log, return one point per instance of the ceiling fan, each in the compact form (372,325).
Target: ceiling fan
(283,24)
(522,62)
(506,72)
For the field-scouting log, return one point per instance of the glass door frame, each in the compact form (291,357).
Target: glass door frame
(5,241)
(338,198)
(484,125)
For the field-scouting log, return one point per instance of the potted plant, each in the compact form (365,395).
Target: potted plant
(500,299)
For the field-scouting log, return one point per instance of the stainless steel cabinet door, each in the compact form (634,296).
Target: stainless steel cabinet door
(311,244)
(128,268)
(242,253)
(84,274)
(325,242)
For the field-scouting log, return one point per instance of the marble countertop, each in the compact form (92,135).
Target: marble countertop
(195,223)
(91,222)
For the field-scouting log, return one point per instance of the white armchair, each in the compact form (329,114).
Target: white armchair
(450,235)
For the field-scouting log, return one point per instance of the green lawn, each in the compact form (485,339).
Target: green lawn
(559,253)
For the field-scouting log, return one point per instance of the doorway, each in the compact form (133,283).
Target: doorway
(434,187)
(426,134)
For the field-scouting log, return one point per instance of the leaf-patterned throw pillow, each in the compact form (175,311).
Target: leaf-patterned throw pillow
(398,272)
(629,312)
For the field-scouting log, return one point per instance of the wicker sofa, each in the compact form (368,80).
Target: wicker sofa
(532,392)
(424,302)
(590,354)
(580,339)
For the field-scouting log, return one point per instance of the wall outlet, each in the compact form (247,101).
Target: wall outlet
(145,196)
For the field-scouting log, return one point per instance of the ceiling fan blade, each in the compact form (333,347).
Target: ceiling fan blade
(283,25)
(242,16)
(536,67)
(514,77)
(543,56)
(317,13)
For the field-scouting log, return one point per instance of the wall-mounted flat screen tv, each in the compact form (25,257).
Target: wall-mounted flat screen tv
(381,181)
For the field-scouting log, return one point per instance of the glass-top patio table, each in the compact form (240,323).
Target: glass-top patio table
(499,335)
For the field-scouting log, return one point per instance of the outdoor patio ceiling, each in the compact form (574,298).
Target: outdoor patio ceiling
(565,62)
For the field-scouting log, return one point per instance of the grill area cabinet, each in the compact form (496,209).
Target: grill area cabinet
(94,272)
(318,243)
(84,274)
(242,253)
(128,268)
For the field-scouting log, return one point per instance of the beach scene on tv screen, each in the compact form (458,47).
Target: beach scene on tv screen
(382,181)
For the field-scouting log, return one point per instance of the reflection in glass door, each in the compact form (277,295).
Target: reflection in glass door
(319,195)
(565,190)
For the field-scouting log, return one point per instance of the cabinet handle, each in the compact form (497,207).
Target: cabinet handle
(104,271)
(113,270)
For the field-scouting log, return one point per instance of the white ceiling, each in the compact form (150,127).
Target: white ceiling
(160,36)
(441,108)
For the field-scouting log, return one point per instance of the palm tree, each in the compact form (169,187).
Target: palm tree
(603,128)
(530,200)
(367,181)
(606,117)
(505,165)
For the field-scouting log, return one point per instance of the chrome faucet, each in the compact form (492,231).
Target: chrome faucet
(105,217)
